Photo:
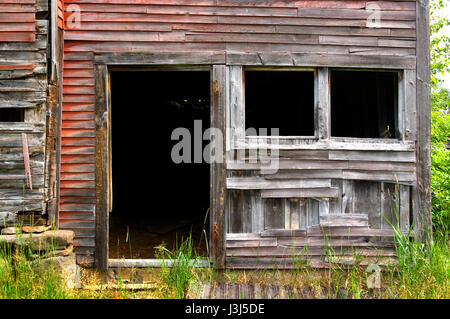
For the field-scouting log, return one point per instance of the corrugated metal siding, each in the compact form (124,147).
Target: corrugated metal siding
(333,27)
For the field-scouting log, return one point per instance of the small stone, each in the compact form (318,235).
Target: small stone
(8,231)
(67,264)
(56,239)
(7,218)
(35,229)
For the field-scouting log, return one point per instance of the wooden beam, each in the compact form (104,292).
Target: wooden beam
(321,60)
(161,58)
(322,111)
(422,193)
(101,169)
(218,170)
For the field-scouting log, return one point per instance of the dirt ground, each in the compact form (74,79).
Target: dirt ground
(136,238)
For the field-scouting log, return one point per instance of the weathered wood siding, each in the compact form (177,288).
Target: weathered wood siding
(250,32)
(23,84)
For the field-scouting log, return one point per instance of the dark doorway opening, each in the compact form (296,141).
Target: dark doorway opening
(155,200)
(364,104)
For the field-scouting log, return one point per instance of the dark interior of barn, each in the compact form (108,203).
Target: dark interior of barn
(157,202)
(364,104)
(11,115)
(280,99)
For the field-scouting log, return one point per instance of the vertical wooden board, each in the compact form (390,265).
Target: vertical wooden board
(324,206)
(237,109)
(246,212)
(410,106)
(287,213)
(240,211)
(400,101)
(313,212)
(235,207)
(367,201)
(422,209)
(257,209)
(294,213)
(218,171)
(101,169)
(322,103)
(347,197)
(389,205)
(336,203)
(404,193)
(273,213)
(303,213)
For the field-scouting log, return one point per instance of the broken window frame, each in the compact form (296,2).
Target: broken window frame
(399,114)
(237,138)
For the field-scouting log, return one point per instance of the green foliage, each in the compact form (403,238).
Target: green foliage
(440,161)
(183,272)
(423,270)
(26,276)
(439,41)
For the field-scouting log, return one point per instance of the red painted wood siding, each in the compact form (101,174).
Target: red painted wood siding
(334,27)
(17,20)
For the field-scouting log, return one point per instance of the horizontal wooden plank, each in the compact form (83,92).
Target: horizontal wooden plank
(76,216)
(387,156)
(304,174)
(15,140)
(21,194)
(283,233)
(22,127)
(330,192)
(336,242)
(70,224)
(407,178)
(346,220)
(161,58)
(187,10)
(77,184)
(348,144)
(381,166)
(71,168)
(251,243)
(261,183)
(20,205)
(77,158)
(355,14)
(288,164)
(320,59)
(16,153)
(313,21)
(296,252)
(81,192)
(318,231)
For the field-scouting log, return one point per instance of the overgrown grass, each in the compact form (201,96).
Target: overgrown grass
(423,269)
(25,275)
(183,273)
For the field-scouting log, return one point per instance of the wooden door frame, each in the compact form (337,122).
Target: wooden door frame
(103,64)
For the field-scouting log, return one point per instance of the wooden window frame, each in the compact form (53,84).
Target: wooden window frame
(237,138)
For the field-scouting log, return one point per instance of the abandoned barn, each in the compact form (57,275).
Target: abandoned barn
(96,96)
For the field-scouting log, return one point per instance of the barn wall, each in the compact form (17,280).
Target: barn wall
(23,84)
(250,32)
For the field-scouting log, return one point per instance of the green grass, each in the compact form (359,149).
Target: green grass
(183,274)
(25,275)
